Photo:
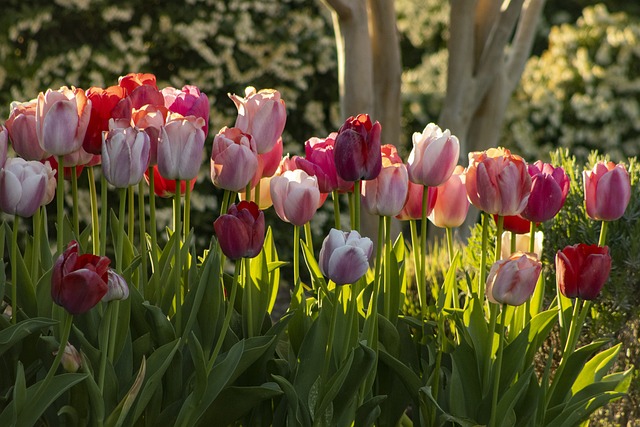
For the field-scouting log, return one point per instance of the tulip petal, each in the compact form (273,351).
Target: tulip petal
(347,264)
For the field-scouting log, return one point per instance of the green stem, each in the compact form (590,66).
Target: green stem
(104,215)
(336,209)
(108,314)
(454,290)
(248,294)
(60,204)
(142,220)
(153,228)
(387,269)
(256,197)
(298,292)
(422,283)
(131,211)
(187,210)
(308,236)
(513,240)
(37,238)
(378,266)
(603,233)
(415,244)
(95,222)
(14,269)
(532,237)
(227,316)
(120,241)
(332,331)
(74,193)
(498,369)
(352,211)
(499,228)
(177,226)
(483,255)
(356,202)
(493,316)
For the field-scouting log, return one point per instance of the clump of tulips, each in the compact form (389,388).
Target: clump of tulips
(169,335)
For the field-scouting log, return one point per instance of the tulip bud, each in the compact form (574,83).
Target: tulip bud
(357,149)
(117,288)
(607,191)
(582,270)
(241,231)
(512,281)
(125,156)
(344,257)
(71,360)
(434,156)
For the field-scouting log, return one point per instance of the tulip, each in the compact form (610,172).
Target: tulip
(241,231)
(150,118)
(164,187)
(386,194)
(23,186)
(180,147)
(62,118)
(135,100)
(188,101)
(607,191)
(117,288)
(71,360)
(357,149)
(514,223)
(497,182)
(319,162)
(344,257)
(522,243)
(68,170)
(295,196)
(125,156)
(549,189)
(50,189)
(261,114)
(265,194)
(451,204)
(132,81)
(234,159)
(4,142)
(22,131)
(434,156)
(103,101)
(513,280)
(582,270)
(413,205)
(78,282)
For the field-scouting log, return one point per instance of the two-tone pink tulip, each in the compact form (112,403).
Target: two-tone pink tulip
(188,101)
(451,202)
(434,156)
(125,156)
(295,196)
(549,189)
(512,281)
(607,191)
(181,147)
(386,194)
(319,161)
(22,131)
(234,159)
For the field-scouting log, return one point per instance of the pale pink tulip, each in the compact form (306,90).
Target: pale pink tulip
(295,196)
(607,191)
(512,281)
(181,147)
(386,194)
(234,160)
(23,186)
(22,131)
(434,156)
(125,156)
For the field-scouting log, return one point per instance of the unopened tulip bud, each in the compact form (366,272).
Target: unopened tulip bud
(512,281)
(71,360)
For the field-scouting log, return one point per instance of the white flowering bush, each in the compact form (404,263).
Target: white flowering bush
(583,92)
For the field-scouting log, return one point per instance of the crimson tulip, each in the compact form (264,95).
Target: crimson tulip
(261,114)
(125,156)
(357,149)
(607,191)
(78,282)
(241,231)
(234,160)
(188,101)
(434,156)
(512,281)
(344,257)
(164,187)
(386,194)
(451,204)
(549,189)
(514,223)
(295,196)
(497,182)
(180,148)
(21,125)
(103,101)
(582,270)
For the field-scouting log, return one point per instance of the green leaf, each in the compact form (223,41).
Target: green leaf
(297,412)
(596,368)
(234,402)
(512,394)
(16,333)
(466,386)
(369,411)
(121,411)
(194,299)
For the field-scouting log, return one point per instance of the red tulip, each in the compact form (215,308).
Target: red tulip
(134,80)
(434,156)
(234,160)
(582,270)
(357,149)
(103,101)
(78,282)
(386,194)
(166,188)
(295,196)
(22,131)
(498,182)
(513,280)
(241,231)
(549,189)
(344,257)
(451,204)
(514,223)
(607,191)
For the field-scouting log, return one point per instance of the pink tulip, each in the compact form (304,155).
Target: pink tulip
(22,131)
(582,270)
(319,161)
(137,99)
(386,194)
(268,164)
(434,156)
(125,156)
(344,257)
(180,148)
(357,149)
(295,196)
(23,186)
(234,160)
(62,117)
(413,205)
(150,118)
(549,189)
(240,231)
(513,280)
(188,101)
(261,114)
(498,182)
(452,205)
(4,143)
(607,191)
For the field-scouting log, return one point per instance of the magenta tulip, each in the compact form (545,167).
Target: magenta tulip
(451,204)
(607,190)
(549,189)
(387,193)
(78,282)
(241,231)
(261,114)
(357,149)
(497,182)
(234,160)
(295,196)
(434,156)
(344,257)
(512,281)
(188,101)
(582,270)
(23,186)
(181,147)
(125,156)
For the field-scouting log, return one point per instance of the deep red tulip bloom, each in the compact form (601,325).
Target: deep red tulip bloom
(241,231)
(78,282)
(103,101)
(607,191)
(514,223)
(357,149)
(166,188)
(549,189)
(512,281)
(582,270)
